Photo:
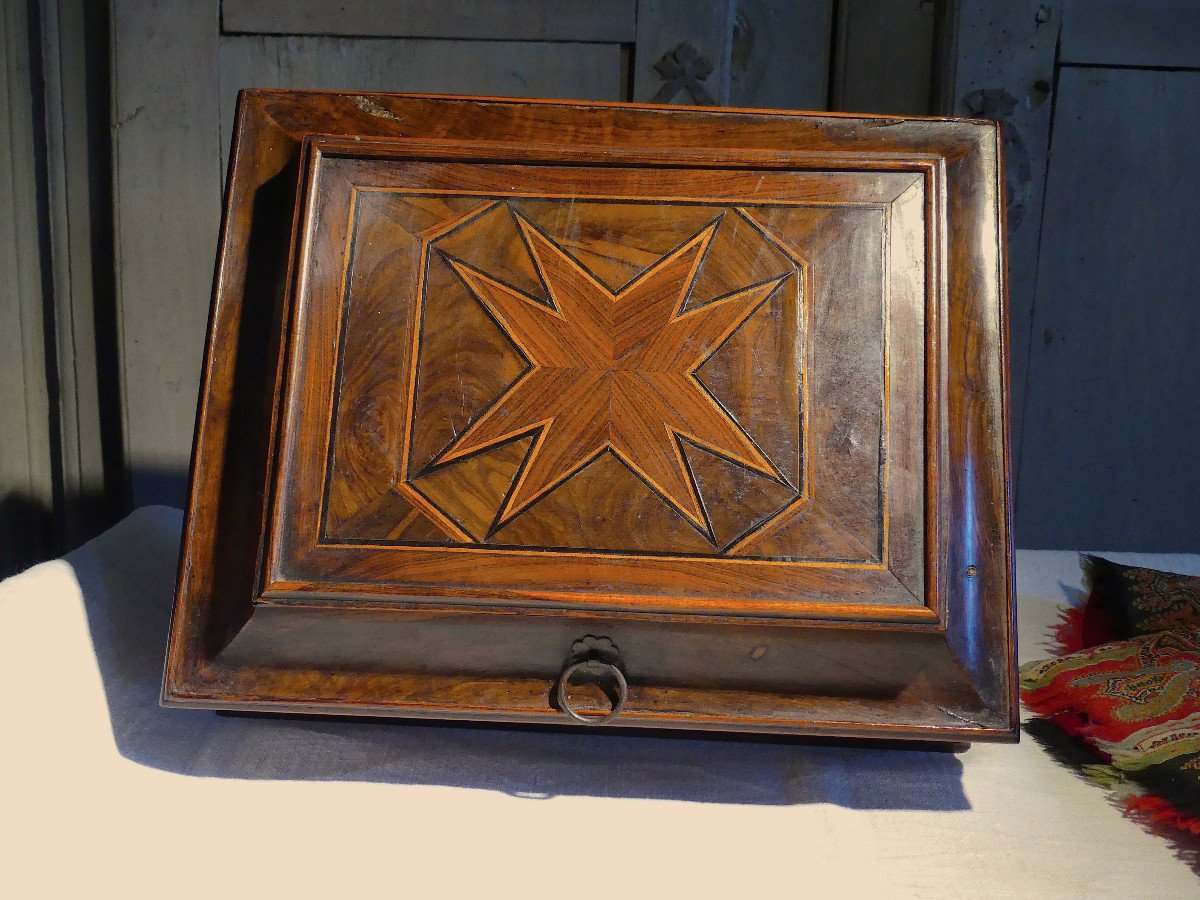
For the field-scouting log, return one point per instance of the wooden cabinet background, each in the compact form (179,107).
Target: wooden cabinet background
(118,121)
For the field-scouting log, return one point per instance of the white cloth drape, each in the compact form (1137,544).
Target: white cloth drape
(101,788)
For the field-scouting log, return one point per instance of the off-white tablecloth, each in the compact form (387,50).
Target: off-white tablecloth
(103,790)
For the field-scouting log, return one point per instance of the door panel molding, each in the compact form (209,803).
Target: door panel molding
(27,407)
(601,21)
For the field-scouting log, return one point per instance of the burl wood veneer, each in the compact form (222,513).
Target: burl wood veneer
(706,407)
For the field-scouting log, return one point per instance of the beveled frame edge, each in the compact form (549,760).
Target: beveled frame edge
(978,571)
(651,722)
(197,625)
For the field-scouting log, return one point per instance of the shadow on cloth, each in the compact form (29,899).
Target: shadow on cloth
(127,578)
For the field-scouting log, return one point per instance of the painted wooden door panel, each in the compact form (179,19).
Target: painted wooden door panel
(1110,455)
(1099,102)
(603,21)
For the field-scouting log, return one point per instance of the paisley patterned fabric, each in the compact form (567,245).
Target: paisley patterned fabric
(1128,685)
(1126,601)
(1110,694)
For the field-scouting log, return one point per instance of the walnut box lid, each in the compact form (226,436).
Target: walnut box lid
(567,412)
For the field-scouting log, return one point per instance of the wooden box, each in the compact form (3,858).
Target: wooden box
(572,413)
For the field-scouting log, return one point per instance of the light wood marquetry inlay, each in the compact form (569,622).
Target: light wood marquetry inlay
(610,375)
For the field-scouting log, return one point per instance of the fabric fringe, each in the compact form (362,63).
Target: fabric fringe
(1155,808)
(1062,748)
(1068,630)
(1057,731)
(1180,830)
(1161,818)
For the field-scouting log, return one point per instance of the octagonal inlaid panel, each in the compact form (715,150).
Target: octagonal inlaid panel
(601,375)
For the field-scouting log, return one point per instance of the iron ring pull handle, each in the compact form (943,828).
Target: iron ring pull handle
(599,665)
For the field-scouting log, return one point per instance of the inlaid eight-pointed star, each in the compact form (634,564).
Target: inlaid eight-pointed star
(612,371)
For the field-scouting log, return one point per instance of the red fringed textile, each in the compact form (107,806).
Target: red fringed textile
(1114,696)
(1126,685)
(1152,808)
(1068,632)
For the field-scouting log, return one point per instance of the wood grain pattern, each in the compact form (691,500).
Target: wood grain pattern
(692,380)
(622,221)
(578,362)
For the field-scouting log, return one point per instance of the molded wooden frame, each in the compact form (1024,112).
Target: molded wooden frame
(245,627)
(301,562)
